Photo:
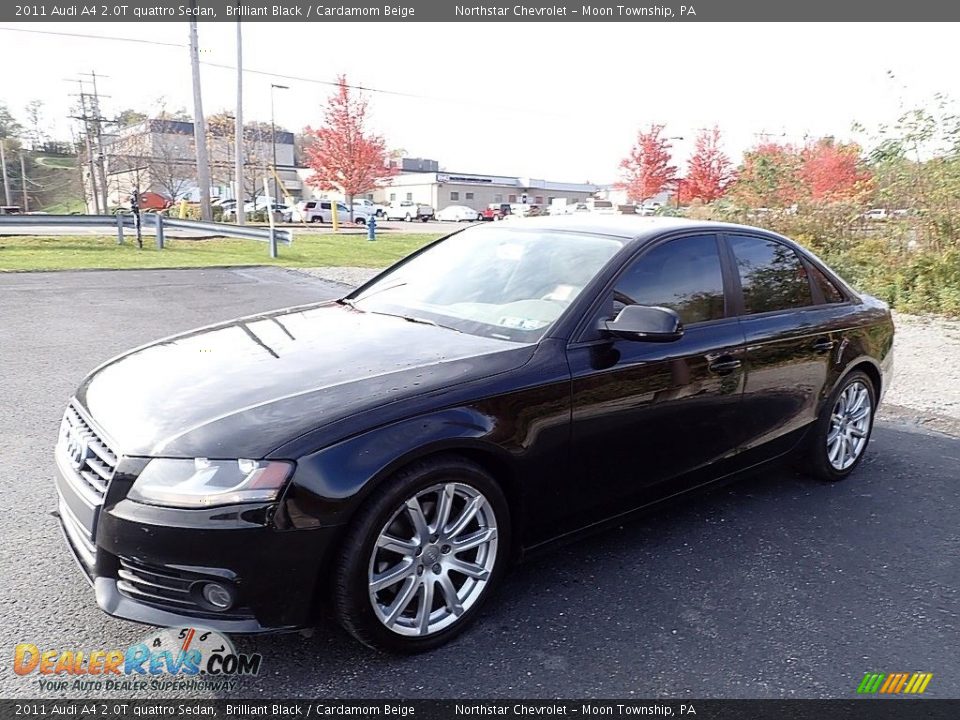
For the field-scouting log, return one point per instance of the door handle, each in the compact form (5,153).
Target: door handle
(724,365)
(824,346)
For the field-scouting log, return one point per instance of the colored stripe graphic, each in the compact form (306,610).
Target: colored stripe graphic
(870,683)
(894,683)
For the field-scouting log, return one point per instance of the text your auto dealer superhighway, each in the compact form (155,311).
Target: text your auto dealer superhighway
(516,10)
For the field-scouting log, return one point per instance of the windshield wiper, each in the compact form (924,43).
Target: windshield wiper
(422,321)
(416,319)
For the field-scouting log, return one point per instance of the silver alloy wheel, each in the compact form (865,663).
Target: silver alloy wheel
(849,425)
(432,559)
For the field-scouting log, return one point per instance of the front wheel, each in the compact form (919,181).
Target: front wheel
(422,556)
(842,432)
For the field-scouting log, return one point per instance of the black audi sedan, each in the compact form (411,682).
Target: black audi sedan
(386,456)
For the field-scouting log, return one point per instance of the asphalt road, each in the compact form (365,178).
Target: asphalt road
(777,586)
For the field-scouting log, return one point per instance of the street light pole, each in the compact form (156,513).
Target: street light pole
(239,194)
(273,141)
(3,171)
(679,180)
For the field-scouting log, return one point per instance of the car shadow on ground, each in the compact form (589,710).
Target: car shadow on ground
(777,585)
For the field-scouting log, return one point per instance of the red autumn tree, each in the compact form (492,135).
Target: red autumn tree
(831,171)
(343,155)
(709,172)
(647,170)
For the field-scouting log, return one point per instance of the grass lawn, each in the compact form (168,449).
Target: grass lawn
(74,252)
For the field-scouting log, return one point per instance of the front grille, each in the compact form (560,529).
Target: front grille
(90,457)
(165,588)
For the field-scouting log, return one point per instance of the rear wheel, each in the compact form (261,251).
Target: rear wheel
(422,556)
(842,432)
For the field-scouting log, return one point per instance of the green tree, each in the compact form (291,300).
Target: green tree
(9,127)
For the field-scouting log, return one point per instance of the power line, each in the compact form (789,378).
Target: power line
(296,78)
(90,36)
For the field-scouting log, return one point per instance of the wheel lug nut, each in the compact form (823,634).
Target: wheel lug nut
(420,570)
(445,549)
(436,569)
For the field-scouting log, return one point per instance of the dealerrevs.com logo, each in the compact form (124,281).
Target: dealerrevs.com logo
(181,658)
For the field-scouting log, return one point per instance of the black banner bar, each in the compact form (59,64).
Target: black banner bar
(858,709)
(480,11)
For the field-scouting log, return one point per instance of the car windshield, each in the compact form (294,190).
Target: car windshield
(511,284)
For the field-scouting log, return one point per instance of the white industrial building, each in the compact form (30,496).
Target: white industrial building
(420,180)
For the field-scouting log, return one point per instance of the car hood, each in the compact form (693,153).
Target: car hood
(244,388)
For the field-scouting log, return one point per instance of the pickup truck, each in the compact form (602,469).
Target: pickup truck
(409,211)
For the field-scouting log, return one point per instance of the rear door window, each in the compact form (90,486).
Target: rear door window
(831,293)
(771,275)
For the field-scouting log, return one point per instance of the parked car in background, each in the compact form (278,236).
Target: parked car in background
(877,214)
(369,207)
(602,207)
(409,211)
(458,213)
(507,386)
(495,211)
(520,209)
(321,211)
(230,211)
(647,210)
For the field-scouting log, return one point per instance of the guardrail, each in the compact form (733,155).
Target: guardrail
(156,221)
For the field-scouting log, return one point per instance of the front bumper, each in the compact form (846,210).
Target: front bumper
(147,563)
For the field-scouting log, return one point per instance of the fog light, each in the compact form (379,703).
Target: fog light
(217,596)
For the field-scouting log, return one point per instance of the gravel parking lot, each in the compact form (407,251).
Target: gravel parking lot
(777,586)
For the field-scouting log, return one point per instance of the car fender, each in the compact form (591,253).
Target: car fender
(847,361)
(338,479)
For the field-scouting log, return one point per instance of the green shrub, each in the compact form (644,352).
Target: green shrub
(895,261)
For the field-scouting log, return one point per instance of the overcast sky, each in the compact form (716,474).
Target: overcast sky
(559,101)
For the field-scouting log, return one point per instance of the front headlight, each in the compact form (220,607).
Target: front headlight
(207,483)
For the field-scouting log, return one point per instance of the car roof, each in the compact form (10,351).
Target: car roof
(628,227)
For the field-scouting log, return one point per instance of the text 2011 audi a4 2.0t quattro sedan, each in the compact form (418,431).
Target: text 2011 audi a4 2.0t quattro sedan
(387,455)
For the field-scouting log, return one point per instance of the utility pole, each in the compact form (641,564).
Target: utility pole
(238,134)
(273,142)
(87,121)
(97,120)
(3,166)
(83,184)
(199,124)
(23,183)
(91,164)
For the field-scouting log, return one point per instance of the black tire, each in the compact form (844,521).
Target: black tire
(361,221)
(352,602)
(815,457)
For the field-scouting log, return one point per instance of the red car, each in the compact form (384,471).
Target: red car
(496,211)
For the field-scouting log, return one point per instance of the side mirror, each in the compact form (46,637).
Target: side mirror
(645,323)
